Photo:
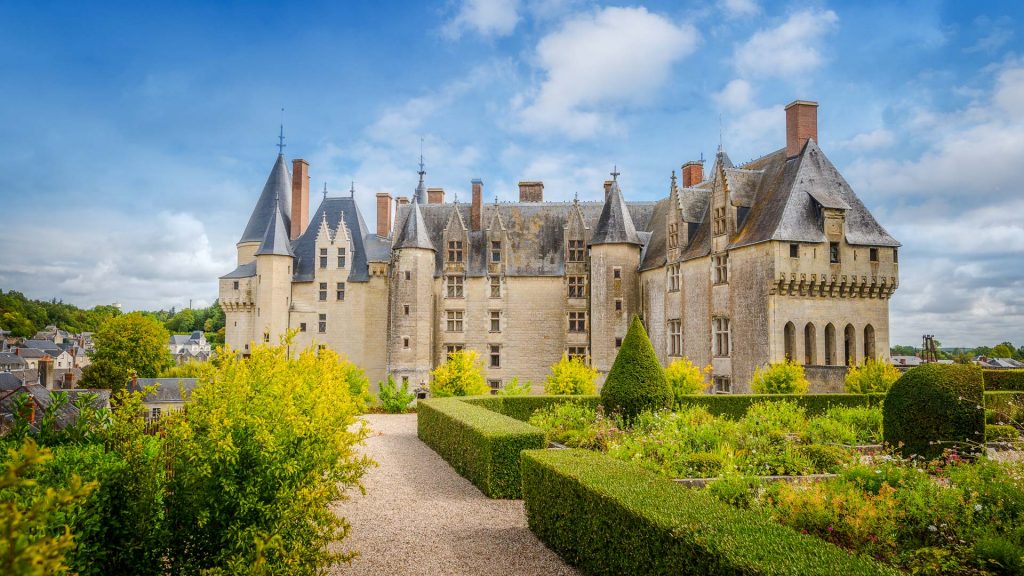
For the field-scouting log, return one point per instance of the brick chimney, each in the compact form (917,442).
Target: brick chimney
(383,214)
(477,205)
(401,201)
(45,370)
(300,197)
(607,189)
(435,195)
(531,191)
(801,124)
(693,173)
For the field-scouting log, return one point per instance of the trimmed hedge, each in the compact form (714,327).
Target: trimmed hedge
(1004,380)
(1001,433)
(483,446)
(636,381)
(735,406)
(935,407)
(522,407)
(612,517)
(1007,406)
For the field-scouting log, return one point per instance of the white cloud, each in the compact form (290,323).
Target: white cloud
(738,94)
(485,17)
(610,57)
(788,50)
(739,8)
(867,141)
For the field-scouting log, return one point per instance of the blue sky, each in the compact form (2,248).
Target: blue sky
(137,138)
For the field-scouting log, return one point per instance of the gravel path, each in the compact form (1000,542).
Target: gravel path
(420,517)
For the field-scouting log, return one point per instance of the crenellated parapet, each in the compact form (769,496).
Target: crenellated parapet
(834,285)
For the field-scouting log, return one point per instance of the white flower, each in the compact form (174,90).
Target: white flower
(932,528)
(977,507)
(878,471)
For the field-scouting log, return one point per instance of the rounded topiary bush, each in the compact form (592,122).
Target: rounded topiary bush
(636,381)
(935,407)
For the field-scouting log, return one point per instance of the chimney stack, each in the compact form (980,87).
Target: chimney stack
(693,173)
(401,201)
(300,197)
(46,372)
(801,124)
(607,189)
(477,205)
(383,214)
(531,191)
(435,195)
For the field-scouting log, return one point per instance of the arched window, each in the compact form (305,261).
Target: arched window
(869,342)
(789,335)
(810,345)
(850,345)
(830,345)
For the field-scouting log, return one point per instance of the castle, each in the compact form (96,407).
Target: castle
(746,265)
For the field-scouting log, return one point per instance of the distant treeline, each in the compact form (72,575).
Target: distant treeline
(1001,350)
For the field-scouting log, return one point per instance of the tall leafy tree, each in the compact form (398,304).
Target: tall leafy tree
(134,342)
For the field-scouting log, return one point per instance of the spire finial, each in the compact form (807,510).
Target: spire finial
(352,190)
(719,133)
(673,179)
(280,136)
(615,173)
(422,171)
(325,190)
(576,197)
(495,199)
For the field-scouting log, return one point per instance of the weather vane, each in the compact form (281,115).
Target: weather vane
(615,173)
(280,137)
(325,190)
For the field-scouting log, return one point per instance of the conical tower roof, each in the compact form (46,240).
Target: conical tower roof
(414,231)
(615,226)
(275,240)
(276,191)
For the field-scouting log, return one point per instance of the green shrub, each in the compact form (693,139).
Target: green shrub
(824,430)
(611,517)
(826,459)
(935,407)
(575,425)
(481,445)
(571,376)
(1007,407)
(514,388)
(393,399)
(461,375)
(523,407)
(686,379)
(1009,380)
(735,406)
(780,378)
(636,381)
(1001,433)
(871,377)
(666,442)
(866,421)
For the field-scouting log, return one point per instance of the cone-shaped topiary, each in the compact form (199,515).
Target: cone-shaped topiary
(934,407)
(636,381)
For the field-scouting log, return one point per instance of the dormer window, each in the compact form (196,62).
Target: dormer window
(576,251)
(495,251)
(718,224)
(673,235)
(455,250)
(341,257)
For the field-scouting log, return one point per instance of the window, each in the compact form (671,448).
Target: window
(340,291)
(495,356)
(405,380)
(408,275)
(618,342)
(236,284)
(675,338)
(721,263)
(722,340)
(495,320)
(455,250)
(405,309)
(577,287)
(341,257)
(577,321)
(495,251)
(266,336)
(673,235)
(673,278)
(794,250)
(302,327)
(873,254)
(495,287)
(323,258)
(723,385)
(454,284)
(323,323)
(833,252)
(323,291)
(618,304)
(577,352)
(718,224)
(450,349)
(405,342)
(154,414)
(495,386)
(575,250)
(895,255)
(617,272)
(454,320)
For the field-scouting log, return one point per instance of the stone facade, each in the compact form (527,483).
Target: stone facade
(737,268)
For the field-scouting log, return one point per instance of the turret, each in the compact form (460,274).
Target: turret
(276,193)
(274,261)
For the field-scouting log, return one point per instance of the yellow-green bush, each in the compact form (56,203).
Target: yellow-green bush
(461,375)
(871,377)
(686,378)
(780,378)
(571,376)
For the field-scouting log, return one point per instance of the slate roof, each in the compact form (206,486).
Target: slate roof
(12,361)
(334,209)
(31,353)
(279,188)
(9,382)
(414,230)
(247,270)
(168,389)
(276,239)
(615,226)
(40,345)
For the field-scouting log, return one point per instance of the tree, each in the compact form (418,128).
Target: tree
(636,381)
(461,375)
(184,321)
(780,378)
(1004,350)
(686,378)
(104,373)
(900,350)
(571,376)
(134,343)
(871,376)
